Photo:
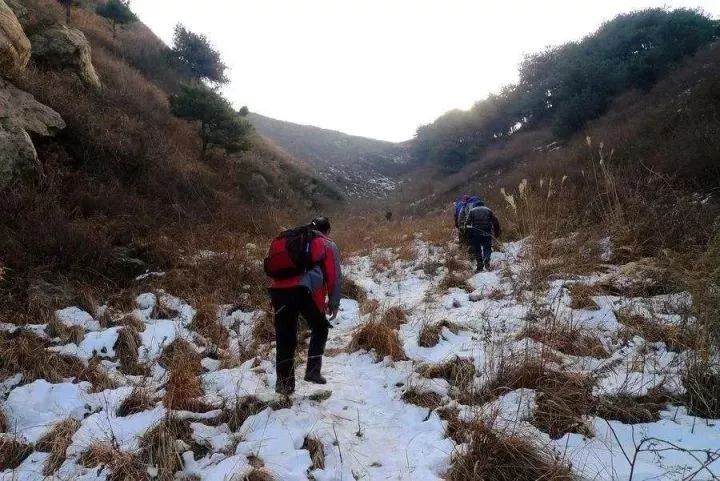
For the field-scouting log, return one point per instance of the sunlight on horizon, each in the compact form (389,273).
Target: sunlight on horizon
(378,68)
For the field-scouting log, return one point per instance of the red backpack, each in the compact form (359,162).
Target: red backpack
(290,253)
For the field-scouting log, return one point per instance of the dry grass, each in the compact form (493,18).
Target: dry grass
(123,466)
(351,290)
(424,399)
(317,454)
(182,390)
(702,382)
(491,456)
(581,296)
(258,475)
(429,334)
(236,414)
(3,421)
(379,338)
(139,400)
(25,353)
(394,317)
(12,452)
(181,355)
(369,306)
(207,323)
(633,409)
(127,348)
(67,334)
(676,338)
(158,446)
(564,400)
(454,280)
(263,330)
(56,443)
(568,340)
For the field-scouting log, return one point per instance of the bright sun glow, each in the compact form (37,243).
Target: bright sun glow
(379,68)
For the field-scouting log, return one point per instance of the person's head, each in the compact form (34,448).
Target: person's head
(478,202)
(465,198)
(321,224)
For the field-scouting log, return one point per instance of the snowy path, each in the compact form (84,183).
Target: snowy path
(366,430)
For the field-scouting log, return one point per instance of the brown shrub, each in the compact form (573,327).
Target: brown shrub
(526,373)
(13,452)
(56,443)
(139,400)
(424,399)
(429,334)
(394,317)
(494,456)
(458,372)
(182,389)
(207,323)
(123,466)
(377,337)
(317,454)
(568,340)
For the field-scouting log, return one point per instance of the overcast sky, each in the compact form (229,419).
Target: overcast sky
(379,68)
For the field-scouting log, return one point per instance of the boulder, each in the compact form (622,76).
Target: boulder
(19,108)
(14,44)
(21,115)
(63,47)
(18,157)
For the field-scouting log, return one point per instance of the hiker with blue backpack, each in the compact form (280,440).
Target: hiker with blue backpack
(304,265)
(459,206)
(481,226)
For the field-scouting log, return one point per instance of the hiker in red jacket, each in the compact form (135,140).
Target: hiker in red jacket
(313,293)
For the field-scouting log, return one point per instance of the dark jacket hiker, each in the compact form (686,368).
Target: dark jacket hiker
(482,225)
(305,266)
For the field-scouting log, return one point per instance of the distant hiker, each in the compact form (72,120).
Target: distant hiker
(463,218)
(459,206)
(482,225)
(388,216)
(305,267)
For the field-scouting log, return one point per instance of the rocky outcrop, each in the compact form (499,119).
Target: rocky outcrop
(14,44)
(65,48)
(21,115)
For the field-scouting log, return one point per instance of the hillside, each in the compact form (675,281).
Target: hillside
(97,174)
(360,167)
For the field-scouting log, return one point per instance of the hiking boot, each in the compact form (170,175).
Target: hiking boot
(314,367)
(284,389)
(315,378)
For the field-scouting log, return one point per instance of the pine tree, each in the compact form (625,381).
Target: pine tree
(220,125)
(117,12)
(197,56)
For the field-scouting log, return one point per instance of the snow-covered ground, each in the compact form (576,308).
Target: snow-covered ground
(366,430)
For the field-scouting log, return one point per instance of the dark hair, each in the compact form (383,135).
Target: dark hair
(321,224)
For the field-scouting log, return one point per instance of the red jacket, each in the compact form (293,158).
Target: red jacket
(324,280)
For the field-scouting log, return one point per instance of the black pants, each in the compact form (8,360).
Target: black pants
(482,245)
(288,304)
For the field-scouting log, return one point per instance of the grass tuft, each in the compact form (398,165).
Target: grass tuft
(56,443)
(429,335)
(317,454)
(377,337)
(12,452)
(138,401)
